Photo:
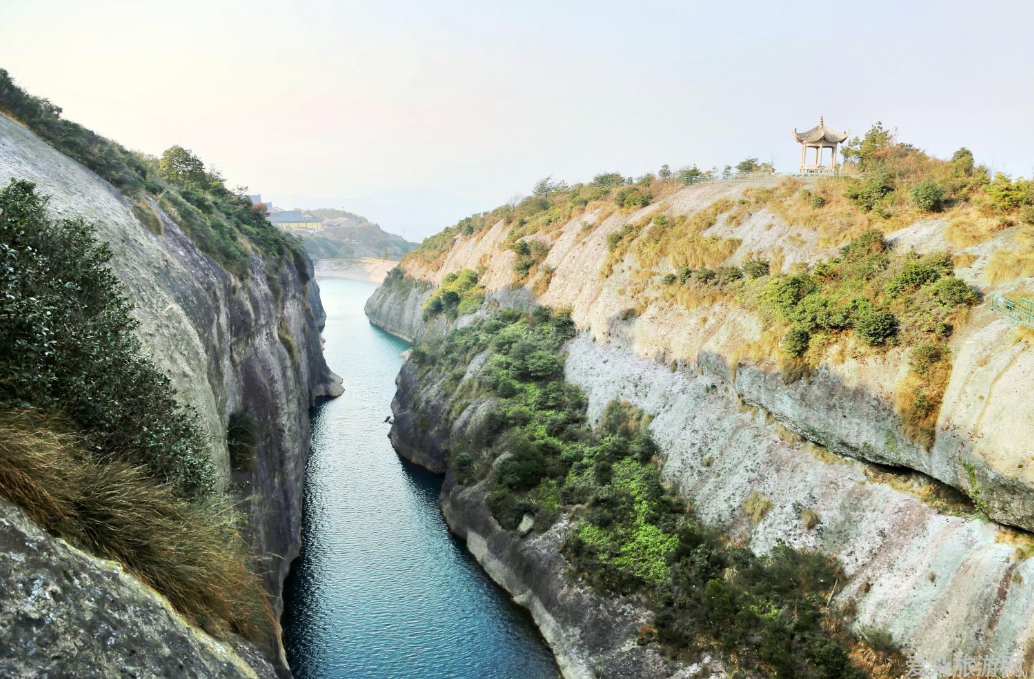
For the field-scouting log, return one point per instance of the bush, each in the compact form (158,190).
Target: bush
(669,279)
(69,346)
(684,274)
(783,293)
(927,195)
(727,274)
(818,311)
(817,202)
(876,326)
(868,195)
(796,341)
(458,294)
(918,273)
(705,275)
(755,268)
(923,357)
(953,292)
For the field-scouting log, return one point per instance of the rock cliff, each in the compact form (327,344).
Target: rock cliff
(228,343)
(924,564)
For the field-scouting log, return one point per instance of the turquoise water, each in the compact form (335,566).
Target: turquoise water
(382,590)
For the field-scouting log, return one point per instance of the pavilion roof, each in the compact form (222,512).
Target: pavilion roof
(821,133)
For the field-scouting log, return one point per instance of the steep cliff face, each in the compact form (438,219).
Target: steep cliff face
(731,422)
(228,344)
(590,635)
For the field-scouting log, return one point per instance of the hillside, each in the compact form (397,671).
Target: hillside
(353,238)
(819,366)
(163,351)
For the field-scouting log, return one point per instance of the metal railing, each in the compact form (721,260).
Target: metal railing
(749,176)
(1019,311)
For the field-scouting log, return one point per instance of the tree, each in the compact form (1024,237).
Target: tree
(962,162)
(868,151)
(665,172)
(748,166)
(183,167)
(688,174)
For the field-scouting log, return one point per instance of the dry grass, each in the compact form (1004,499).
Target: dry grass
(756,506)
(542,280)
(810,519)
(144,212)
(963,260)
(681,244)
(966,227)
(191,552)
(836,222)
(917,400)
(1011,263)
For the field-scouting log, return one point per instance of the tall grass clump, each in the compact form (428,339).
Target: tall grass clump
(190,551)
(94,444)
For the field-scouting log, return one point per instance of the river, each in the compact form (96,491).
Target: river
(381,589)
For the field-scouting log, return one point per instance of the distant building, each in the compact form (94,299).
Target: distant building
(256,199)
(295,219)
(819,139)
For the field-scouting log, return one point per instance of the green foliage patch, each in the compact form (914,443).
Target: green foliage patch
(459,294)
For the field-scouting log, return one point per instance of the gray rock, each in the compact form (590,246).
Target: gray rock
(64,613)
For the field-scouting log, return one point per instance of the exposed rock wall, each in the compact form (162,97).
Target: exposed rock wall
(937,574)
(216,336)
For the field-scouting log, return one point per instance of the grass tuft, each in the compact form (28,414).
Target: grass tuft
(189,551)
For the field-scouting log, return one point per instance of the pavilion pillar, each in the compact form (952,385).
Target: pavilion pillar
(804,150)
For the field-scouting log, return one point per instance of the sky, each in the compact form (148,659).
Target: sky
(416,114)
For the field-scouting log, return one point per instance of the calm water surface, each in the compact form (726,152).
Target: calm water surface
(382,591)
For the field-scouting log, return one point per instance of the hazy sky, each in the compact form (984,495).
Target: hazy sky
(418,113)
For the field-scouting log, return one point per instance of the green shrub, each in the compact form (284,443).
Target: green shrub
(796,341)
(868,195)
(705,275)
(817,202)
(782,294)
(669,279)
(869,243)
(919,272)
(927,195)
(684,274)
(953,292)
(727,274)
(459,294)
(819,311)
(924,356)
(876,326)
(755,268)
(69,346)
(631,197)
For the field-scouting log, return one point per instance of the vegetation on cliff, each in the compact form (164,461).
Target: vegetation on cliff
(458,294)
(222,223)
(537,455)
(94,444)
